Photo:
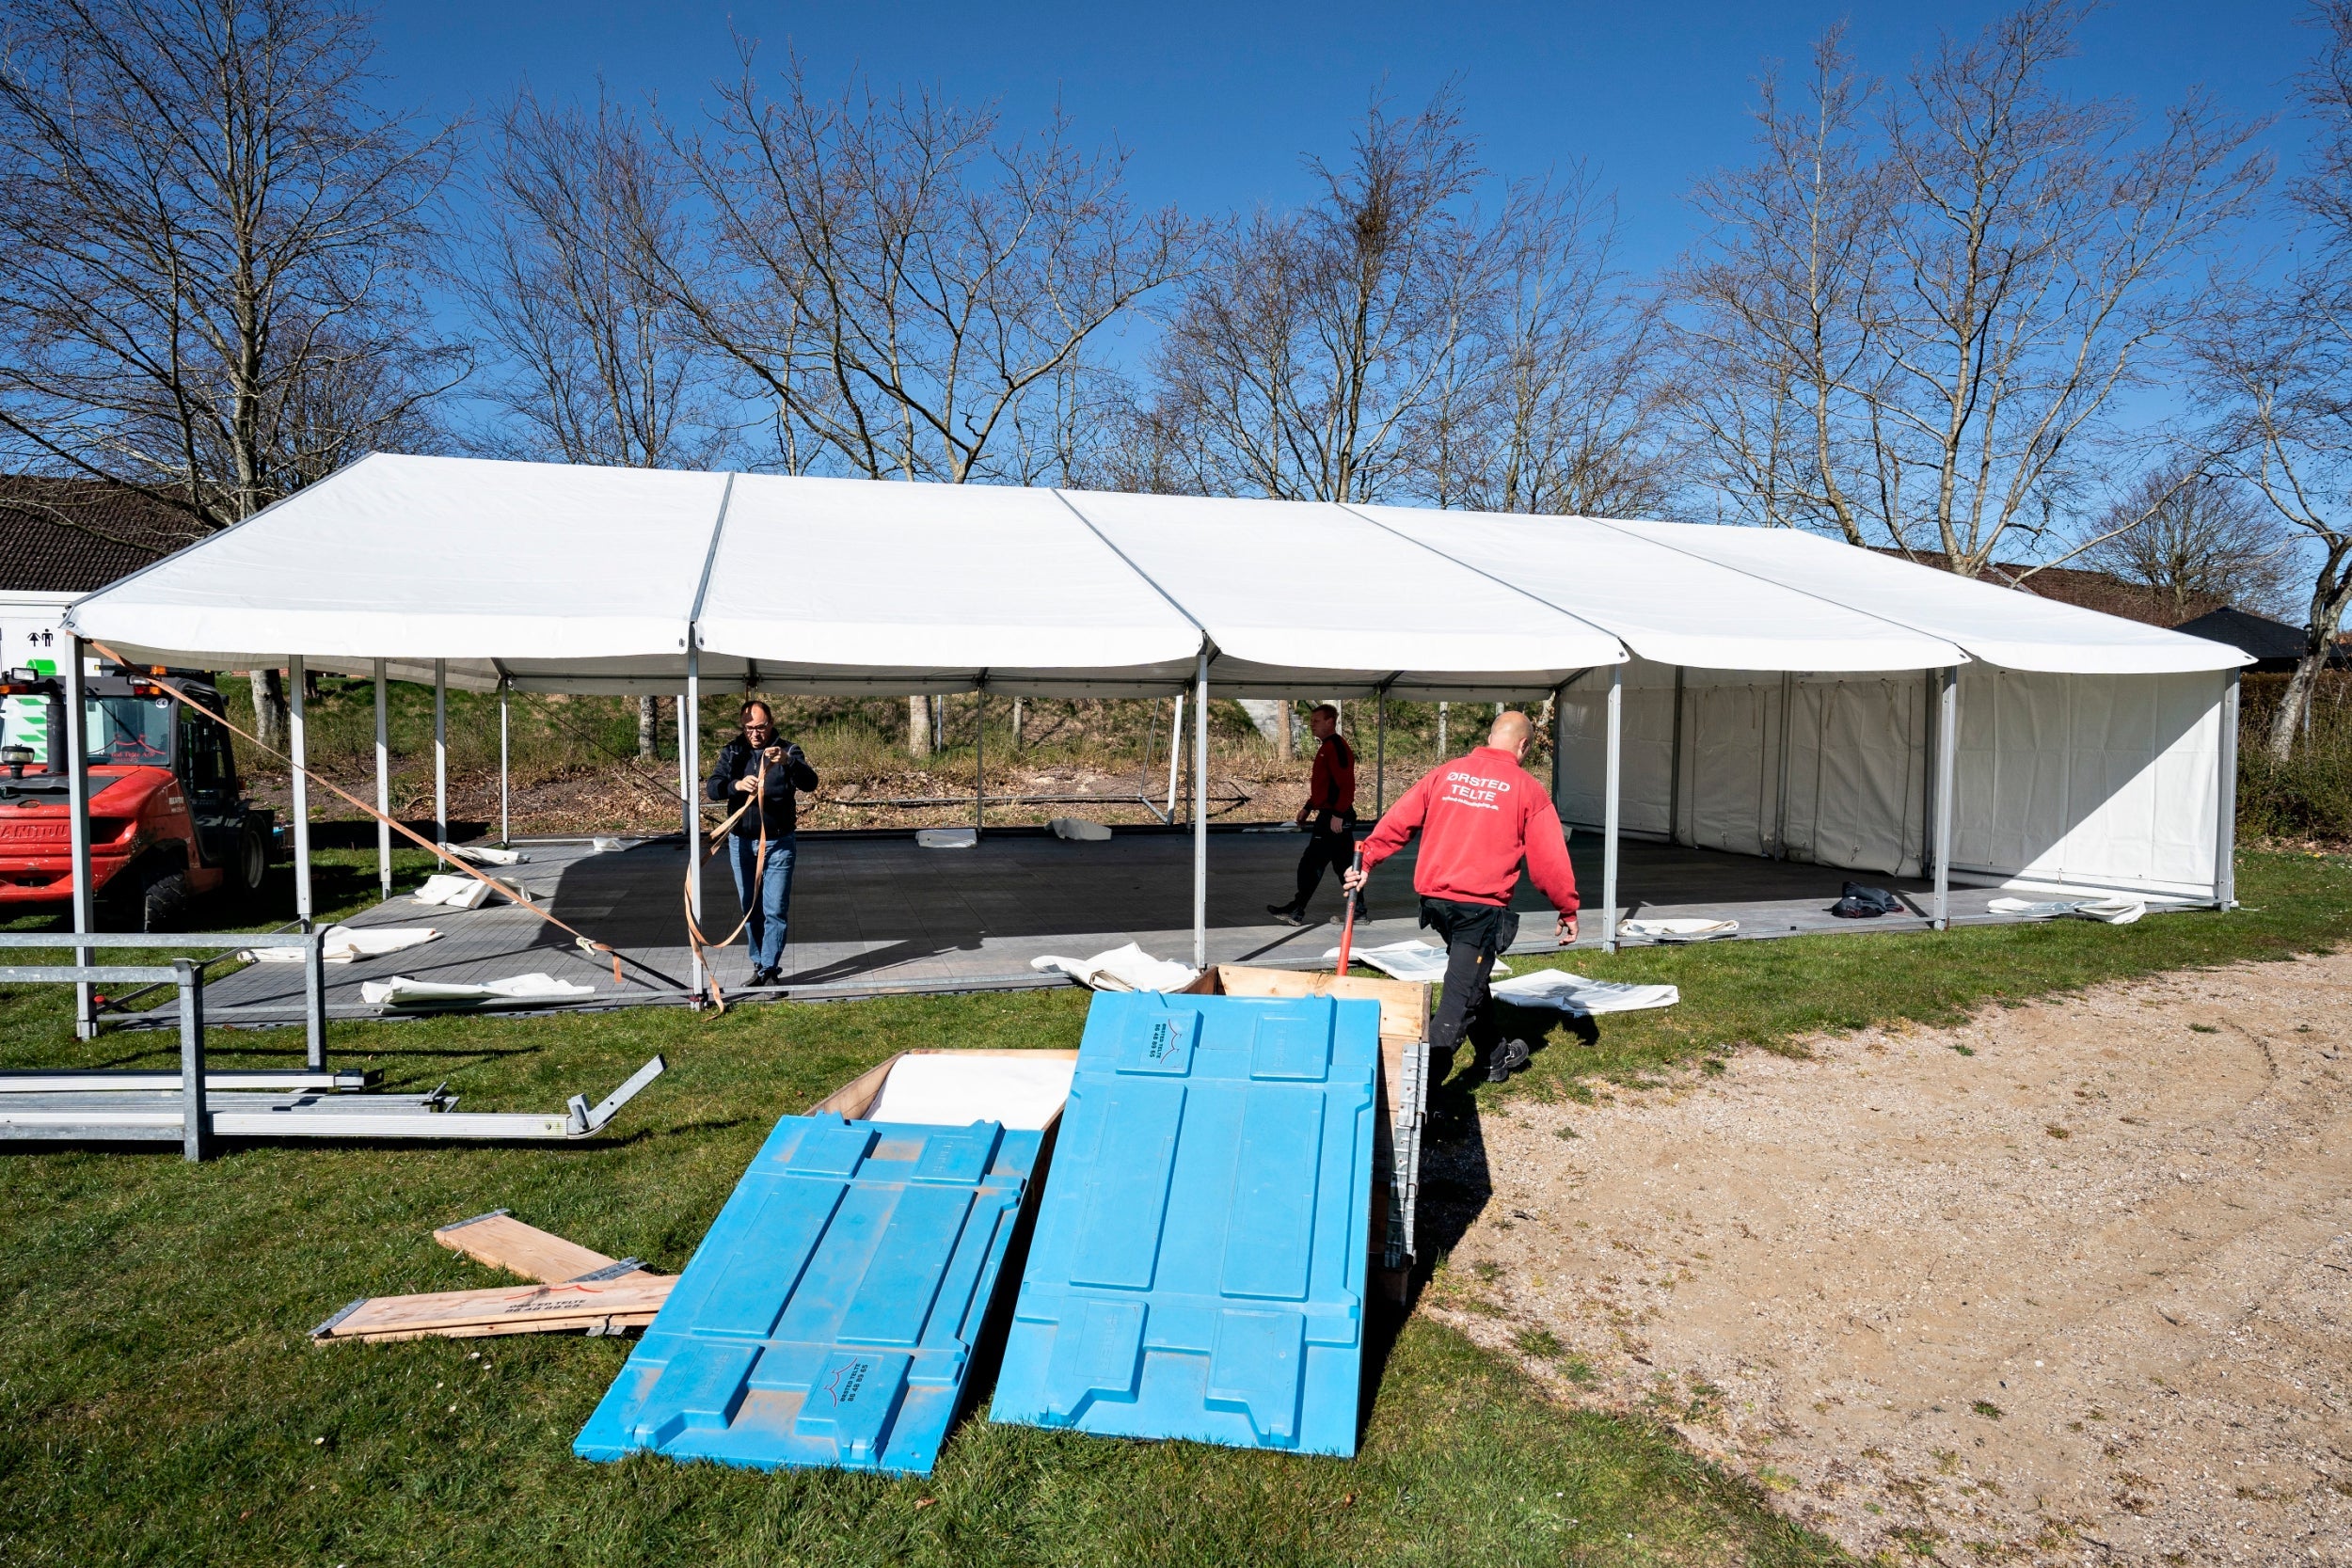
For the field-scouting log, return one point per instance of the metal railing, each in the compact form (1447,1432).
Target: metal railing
(186,974)
(221,944)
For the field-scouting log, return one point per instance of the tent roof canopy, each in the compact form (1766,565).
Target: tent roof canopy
(554,576)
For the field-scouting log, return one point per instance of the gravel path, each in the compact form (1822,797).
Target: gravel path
(2070,1283)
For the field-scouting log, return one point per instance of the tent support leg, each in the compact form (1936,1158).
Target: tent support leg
(504,774)
(383,789)
(2225,824)
(76,764)
(299,736)
(690,763)
(1201,818)
(1380,752)
(1559,751)
(1175,752)
(1674,769)
(440,750)
(979,762)
(1608,830)
(1946,759)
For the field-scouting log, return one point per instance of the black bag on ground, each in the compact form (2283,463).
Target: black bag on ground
(1866,903)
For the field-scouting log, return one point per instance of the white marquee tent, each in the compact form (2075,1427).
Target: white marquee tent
(1760,691)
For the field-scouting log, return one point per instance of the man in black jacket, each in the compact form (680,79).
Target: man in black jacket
(757,763)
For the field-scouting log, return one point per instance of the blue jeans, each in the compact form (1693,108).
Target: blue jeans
(765,934)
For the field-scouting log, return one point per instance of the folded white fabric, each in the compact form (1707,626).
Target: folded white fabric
(946,838)
(1078,829)
(1677,930)
(2112,911)
(1128,968)
(2035,910)
(482,854)
(1574,993)
(1409,960)
(401,991)
(606,846)
(953,1089)
(448,889)
(346,943)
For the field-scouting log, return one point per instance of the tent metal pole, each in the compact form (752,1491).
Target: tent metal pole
(1780,789)
(1674,769)
(979,760)
(299,736)
(504,775)
(1201,819)
(383,789)
(1946,759)
(440,750)
(1175,752)
(1441,707)
(2225,825)
(1608,830)
(690,766)
(1559,750)
(1380,752)
(76,762)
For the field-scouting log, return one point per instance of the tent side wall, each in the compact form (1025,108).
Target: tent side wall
(2091,780)
(1829,769)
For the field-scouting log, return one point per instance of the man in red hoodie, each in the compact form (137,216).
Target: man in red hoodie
(1329,815)
(1478,817)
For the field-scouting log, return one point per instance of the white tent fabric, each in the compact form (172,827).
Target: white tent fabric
(1782,699)
(556,577)
(842,584)
(1996,625)
(1668,607)
(1298,595)
(533,570)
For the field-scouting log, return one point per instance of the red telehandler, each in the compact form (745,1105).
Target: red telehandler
(168,822)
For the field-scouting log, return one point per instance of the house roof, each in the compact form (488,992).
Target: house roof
(71,535)
(2268,641)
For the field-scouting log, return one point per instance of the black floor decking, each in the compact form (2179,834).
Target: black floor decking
(875,914)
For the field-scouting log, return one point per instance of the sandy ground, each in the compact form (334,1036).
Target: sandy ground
(2072,1283)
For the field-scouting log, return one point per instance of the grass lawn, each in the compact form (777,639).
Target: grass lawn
(159,1400)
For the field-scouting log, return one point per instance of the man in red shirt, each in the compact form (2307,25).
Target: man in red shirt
(1329,815)
(1478,817)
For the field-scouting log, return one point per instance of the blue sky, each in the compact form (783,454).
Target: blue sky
(1218,101)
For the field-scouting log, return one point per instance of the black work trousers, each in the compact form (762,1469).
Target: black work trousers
(1330,842)
(1473,935)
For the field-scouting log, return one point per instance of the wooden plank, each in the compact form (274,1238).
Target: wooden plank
(601,1305)
(1403,1004)
(503,1242)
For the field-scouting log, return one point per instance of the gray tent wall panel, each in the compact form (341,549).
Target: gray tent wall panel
(2093,781)
(1822,767)
(2100,781)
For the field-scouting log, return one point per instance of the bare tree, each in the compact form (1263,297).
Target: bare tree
(1388,342)
(1553,404)
(593,362)
(2198,540)
(1956,289)
(2279,373)
(208,248)
(1314,342)
(1783,301)
(900,282)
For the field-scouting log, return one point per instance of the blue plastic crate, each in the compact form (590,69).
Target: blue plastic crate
(1199,1262)
(828,1318)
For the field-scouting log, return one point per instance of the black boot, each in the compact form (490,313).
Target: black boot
(1289,914)
(1506,1059)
